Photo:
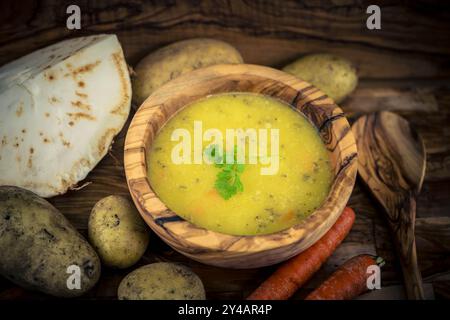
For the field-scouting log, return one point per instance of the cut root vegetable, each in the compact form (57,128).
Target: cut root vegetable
(349,281)
(295,272)
(60,108)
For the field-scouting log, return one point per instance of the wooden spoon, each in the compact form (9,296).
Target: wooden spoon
(391,161)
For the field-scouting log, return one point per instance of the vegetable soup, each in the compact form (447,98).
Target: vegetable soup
(241,164)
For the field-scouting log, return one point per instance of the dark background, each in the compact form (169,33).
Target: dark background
(404,67)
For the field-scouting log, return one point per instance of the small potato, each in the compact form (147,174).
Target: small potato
(117,232)
(161,281)
(333,75)
(176,59)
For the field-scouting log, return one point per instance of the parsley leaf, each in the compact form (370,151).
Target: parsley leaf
(228,182)
(213,154)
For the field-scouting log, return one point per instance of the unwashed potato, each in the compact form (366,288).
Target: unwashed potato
(333,75)
(161,281)
(176,59)
(40,249)
(117,232)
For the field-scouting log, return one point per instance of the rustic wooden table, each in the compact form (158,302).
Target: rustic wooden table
(404,67)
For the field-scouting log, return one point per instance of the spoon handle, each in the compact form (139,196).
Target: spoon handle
(405,243)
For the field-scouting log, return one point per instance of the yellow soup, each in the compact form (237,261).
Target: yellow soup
(241,164)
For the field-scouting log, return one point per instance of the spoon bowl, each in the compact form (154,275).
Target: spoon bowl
(391,162)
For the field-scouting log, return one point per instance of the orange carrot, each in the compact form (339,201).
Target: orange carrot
(288,216)
(213,193)
(348,282)
(292,274)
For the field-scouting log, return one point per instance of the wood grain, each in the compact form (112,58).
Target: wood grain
(413,41)
(392,164)
(386,62)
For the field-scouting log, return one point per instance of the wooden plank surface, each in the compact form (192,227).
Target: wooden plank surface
(404,67)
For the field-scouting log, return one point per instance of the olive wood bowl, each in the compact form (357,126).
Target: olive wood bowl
(225,250)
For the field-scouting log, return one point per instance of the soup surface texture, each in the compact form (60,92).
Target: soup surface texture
(208,195)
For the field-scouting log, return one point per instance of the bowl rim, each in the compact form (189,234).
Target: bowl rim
(185,236)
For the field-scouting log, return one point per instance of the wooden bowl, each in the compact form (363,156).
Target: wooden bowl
(227,250)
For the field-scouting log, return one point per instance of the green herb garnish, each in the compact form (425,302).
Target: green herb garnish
(213,153)
(228,182)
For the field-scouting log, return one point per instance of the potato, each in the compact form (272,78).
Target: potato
(161,281)
(333,75)
(176,59)
(38,245)
(117,232)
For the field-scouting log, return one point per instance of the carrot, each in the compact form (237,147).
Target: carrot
(348,282)
(292,274)
(288,216)
(213,193)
